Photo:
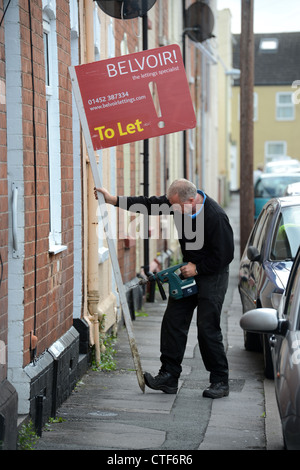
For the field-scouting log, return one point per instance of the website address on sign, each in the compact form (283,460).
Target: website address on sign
(117,102)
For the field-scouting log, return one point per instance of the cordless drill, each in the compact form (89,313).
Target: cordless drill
(179,287)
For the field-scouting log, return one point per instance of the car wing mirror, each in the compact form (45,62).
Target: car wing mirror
(263,320)
(253,253)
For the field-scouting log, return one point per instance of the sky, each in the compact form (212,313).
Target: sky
(270,16)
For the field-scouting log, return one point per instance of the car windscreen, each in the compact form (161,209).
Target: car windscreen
(282,167)
(286,238)
(274,186)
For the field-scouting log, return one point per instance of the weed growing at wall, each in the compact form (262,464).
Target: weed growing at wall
(108,352)
(27,437)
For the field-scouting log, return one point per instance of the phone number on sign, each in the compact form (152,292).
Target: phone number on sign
(103,99)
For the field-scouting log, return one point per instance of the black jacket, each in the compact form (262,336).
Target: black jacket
(206,240)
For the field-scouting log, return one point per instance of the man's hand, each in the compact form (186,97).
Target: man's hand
(189,270)
(107,196)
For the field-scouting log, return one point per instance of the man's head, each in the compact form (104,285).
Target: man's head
(183,193)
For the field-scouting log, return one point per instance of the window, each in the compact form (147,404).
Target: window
(285,110)
(274,185)
(291,295)
(268,45)
(287,234)
(265,229)
(47,54)
(258,235)
(255,234)
(275,150)
(97,33)
(53,125)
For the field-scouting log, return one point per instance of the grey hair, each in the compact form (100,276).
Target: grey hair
(184,188)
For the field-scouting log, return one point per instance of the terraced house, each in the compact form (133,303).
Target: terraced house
(276,93)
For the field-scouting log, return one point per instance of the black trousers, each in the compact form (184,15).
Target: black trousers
(176,323)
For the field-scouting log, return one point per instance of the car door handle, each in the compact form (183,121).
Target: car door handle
(272,341)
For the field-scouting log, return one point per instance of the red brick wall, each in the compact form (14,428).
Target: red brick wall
(65,96)
(50,309)
(3,207)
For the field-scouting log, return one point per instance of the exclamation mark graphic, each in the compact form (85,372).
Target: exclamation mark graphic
(156,103)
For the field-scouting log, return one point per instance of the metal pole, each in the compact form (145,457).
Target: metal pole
(246,123)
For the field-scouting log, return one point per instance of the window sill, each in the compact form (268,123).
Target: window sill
(55,249)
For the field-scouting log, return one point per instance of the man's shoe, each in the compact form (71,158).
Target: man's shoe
(217,390)
(164,381)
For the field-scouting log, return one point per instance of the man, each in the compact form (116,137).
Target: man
(206,241)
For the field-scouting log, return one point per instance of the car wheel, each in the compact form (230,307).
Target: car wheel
(252,341)
(268,363)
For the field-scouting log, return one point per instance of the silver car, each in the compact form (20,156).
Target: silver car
(283,326)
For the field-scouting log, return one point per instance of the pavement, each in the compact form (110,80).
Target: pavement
(108,411)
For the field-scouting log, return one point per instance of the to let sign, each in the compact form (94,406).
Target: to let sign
(136,96)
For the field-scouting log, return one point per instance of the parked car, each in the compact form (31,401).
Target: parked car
(271,185)
(266,263)
(293,189)
(282,166)
(283,328)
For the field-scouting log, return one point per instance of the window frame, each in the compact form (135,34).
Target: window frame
(280,106)
(274,156)
(53,130)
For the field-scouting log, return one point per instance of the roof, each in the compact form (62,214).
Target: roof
(277,66)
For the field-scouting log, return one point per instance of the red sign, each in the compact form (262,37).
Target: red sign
(136,96)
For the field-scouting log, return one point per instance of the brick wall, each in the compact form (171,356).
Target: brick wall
(3,209)
(65,96)
(48,278)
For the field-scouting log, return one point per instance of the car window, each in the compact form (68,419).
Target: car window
(287,234)
(263,237)
(274,186)
(254,237)
(264,188)
(291,297)
(258,236)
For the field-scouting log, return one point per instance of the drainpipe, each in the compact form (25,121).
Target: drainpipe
(92,278)
(146,266)
(86,315)
(146,164)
